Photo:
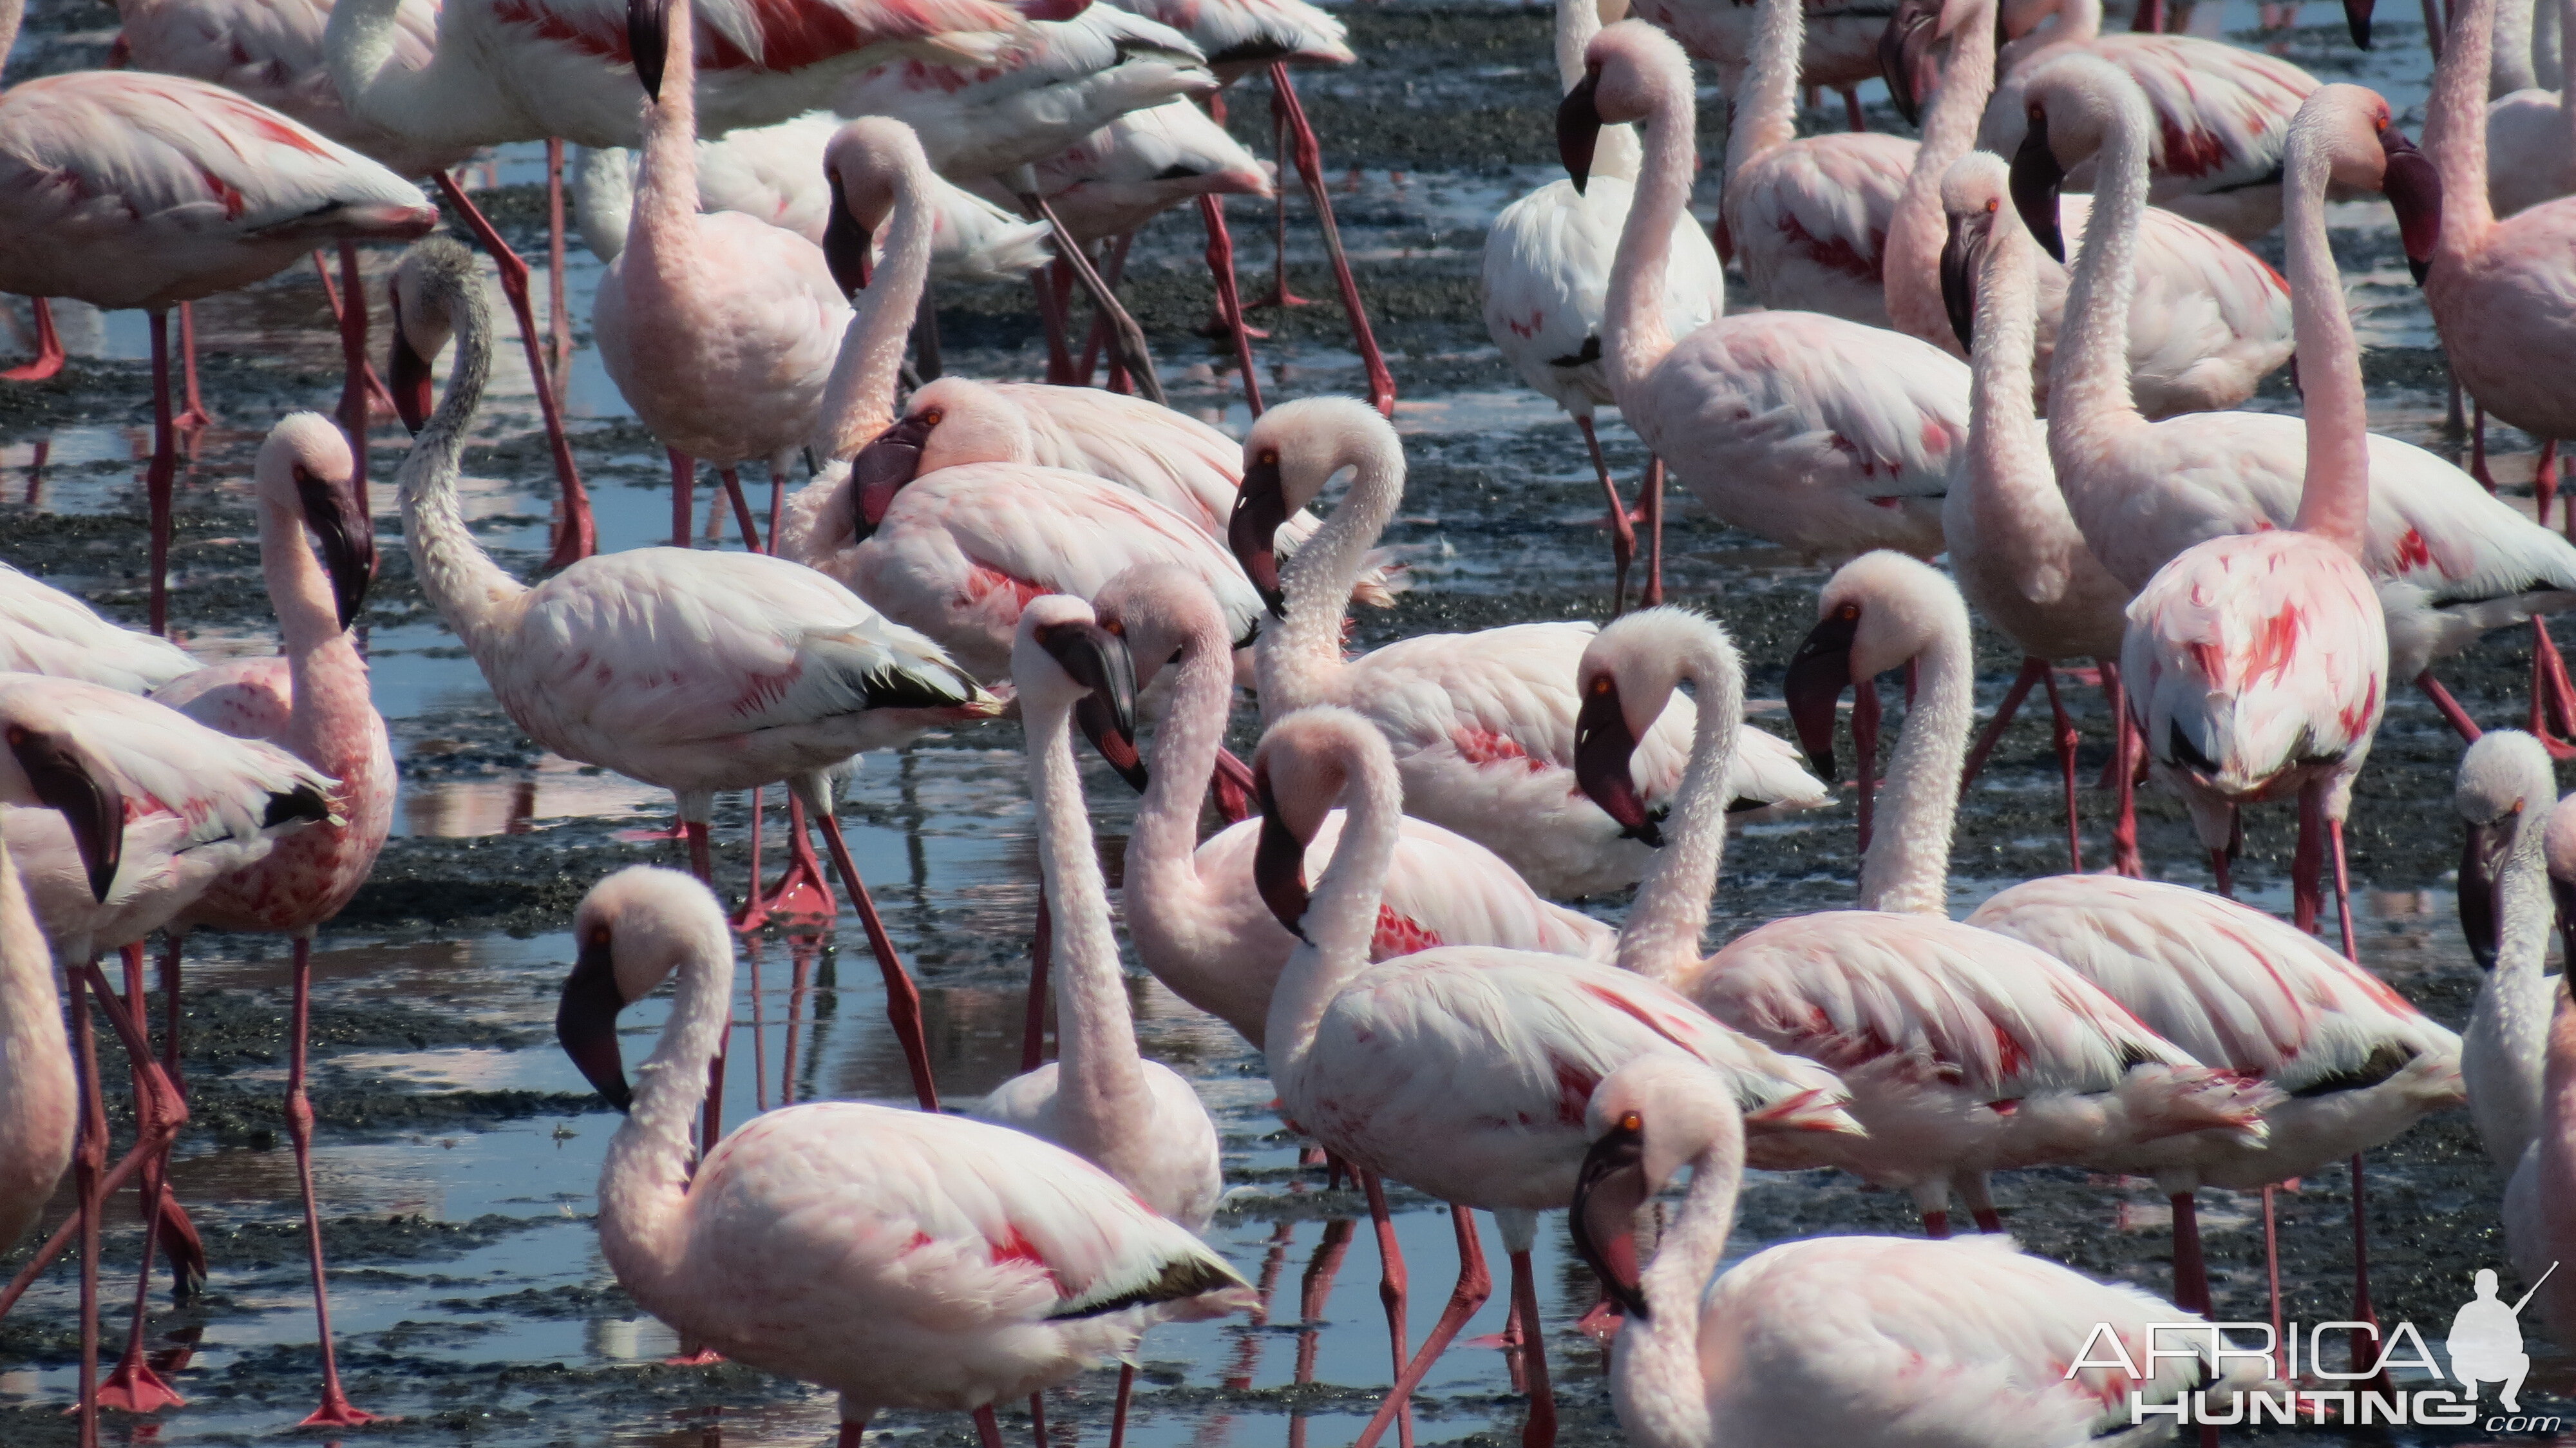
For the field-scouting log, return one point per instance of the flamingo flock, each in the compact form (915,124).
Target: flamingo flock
(1456,890)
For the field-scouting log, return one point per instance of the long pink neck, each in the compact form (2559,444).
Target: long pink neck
(13,13)
(1162,865)
(644,1181)
(858,403)
(1632,321)
(2012,491)
(1916,230)
(662,230)
(1341,917)
(35,1059)
(1656,1380)
(2334,504)
(2089,398)
(334,716)
(1661,939)
(2455,132)
(1296,661)
(1766,100)
(1907,866)
(2556,1148)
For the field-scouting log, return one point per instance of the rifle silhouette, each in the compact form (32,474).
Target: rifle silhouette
(2535,1290)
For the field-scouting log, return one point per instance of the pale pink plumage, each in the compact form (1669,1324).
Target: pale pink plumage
(1138,166)
(40,1112)
(1241,36)
(44,630)
(1840,49)
(2537,1229)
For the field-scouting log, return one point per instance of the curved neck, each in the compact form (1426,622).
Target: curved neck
(2334,503)
(450,104)
(644,1182)
(469,590)
(661,230)
(2455,129)
(1656,1381)
(1917,228)
(2090,374)
(1907,868)
(1341,917)
(1766,100)
(1632,319)
(13,13)
(1294,659)
(858,403)
(32,1041)
(2012,490)
(2523,936)
(2509,69)
(331,702)
(1661,938)
(1577,21)
(1100,1102)
(1162,850)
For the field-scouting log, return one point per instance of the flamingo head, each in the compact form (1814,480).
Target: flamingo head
(45,766)
(1627,69)
(1064,657)
(1972,197)
(428,283)
(633,930)
(1903,48)
(2504,778)
(1647,1120)
(1628,675)
(950,423)
(1876,612)
(1304,766)
(304,473)
(1290,454)
(1163,611)
(2356,20)
(2367,151)
(2068,108)
(867,163)
(648,39)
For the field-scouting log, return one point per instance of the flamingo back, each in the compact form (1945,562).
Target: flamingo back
(1546,285)
(44,630)
(1809,222)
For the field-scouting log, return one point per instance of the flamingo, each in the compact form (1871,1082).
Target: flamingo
(2531,132)
(37,1126)
(1463,1070)
(1547,272)
(2017,554)
(1807,217)
(1962,1055)
(692,671)
(2215,320)
(2222,112)
(2507,797)
(2500,291)
(1840,49)
(1483,723)
(44,630)
(525,70)
(2450,562)
(132,190)
(1198,922)
(1845,1341)
(2536,1234)
(900,1259)
(1818,433)
(313,702)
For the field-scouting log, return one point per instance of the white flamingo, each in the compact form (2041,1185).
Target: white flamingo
(44,630)
(2536,1232)
(2508,798)
(37,1125)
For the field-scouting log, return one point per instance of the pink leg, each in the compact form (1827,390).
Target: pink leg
(1317,1287)
(1113,274)
(133,1387)
(2343,888)
(2066,766)
(2544,482)
(1653,596)
(1475,1284)
(2478,437)
(988,1429)
(578,536)
(1129,339)
(88,1156)
(2553,700)
(194,415)
(2218,867)
(1310,167)
(1229,299)
(1037,1420)
(2449,708)
(1051,317)
(1851,109)
(2124,770)
(1041,947)
(2191,1269)
(2365,1351)
(684,477)
(702,862)
(2032,671)
(1865,744)
(1987,1219)
(1936,1225)
(752,915)
(2308,861)
(903,999)
(852,1433)
(1118,1415)
(1393,1287)
(163,474)
(2272,1254)
(336,1410)
(49,357)
(741,510)
(1623,532)
(1540,1430)
(1279,295)
(377,398)
(558,316)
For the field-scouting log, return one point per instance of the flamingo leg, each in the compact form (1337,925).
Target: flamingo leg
(759,1031)
(1315,1288)
(1112,274)
(377,398)
(1540,1429)
(1041,947)
(741,510)
(754,913)
(701,859)
(1972,1189)
(88,1155)
(2449,708)
(2362,1311)
(926,360)
(2272,1254)
(2551,693)
(194,415)
(1279,295)
(1865,711)
(2477,427)
(1653,596)
(1232,786)
(903,998)
(2307,862)
(1129,338)
(357,403)
(1475,1284)
(1051,318)
(1229,298)
(2066,741)
(853,1432)
(133,1387)
(988,1429)
(2191,1269)
(1037,1420)
(1118,1415)
(1851,109)
(165,1091)
(558,315)
(800,980)
(1936,1224)
(2032,671)
(1310,169)
(684,474)
(2124,764)
(2544,482)
(1393,1286)
(163,473)
(1623,532)
(336,1411)
(49,358)
(578,536)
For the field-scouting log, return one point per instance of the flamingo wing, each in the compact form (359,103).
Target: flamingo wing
(164,762)
(244,698)
(1822,203)
(1243,33)
(761,35)
(1170,457)
(44,630)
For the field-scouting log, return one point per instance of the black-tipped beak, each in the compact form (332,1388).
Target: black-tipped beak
(884,466)
(2036,177)
(1094,718)
(586,1021)
(89,801)
(2356,18)
(648,38)
(1901,46)
(2481,871)
(407,375)
(1253,531)
(846,244)
(348,540)
(1818,674)
(2562,893)
(1098,660)
(1959,283)
(1603,746)
(2414,191)
(1578,128)
(1278,861)
(1607,1193)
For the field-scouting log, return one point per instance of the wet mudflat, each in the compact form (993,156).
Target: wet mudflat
(458,1150)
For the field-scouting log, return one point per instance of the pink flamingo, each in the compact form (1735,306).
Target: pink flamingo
(900,1259)
(2500,290)
(2531,131)
(133,190)
(1464,1070)
(2222,112)
(313,702)
(1807,217)
(44,1093)
(693,671)
(1197,919)
(1839,50)
(44,630)
(2536,1231)
(2451,562)
(1962,1057)
(1963,1341)
(1547,274)
(2508,798)
(2214,319)
(2014,549)
(1483,724)
(1815,432)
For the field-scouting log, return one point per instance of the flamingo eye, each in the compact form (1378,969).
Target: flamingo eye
(1848,612)
(1601,686)
(933,416)
(599,935)
(1270,457)
(1632,1122)
(1992,206)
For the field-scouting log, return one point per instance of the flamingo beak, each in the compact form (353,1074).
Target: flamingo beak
(1578,128)
(1603,746)
(2036,177)
(2414,191)
(2562,893)
(1608,1190)
(63,778)
(586,1020)
(1278,860)
(2481,871)
(2356,18)
(1098,660)
(348,540)
(407,374)
(884,466)
(1959,283)
(648,38)
(1253,531)
(1901,48)
(847,245)
(1818,674)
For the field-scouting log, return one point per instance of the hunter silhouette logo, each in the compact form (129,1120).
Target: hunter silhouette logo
(2486,1341)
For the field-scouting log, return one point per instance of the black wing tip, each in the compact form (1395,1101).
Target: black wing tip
(1185,1278)
(302,803)
(893,687)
